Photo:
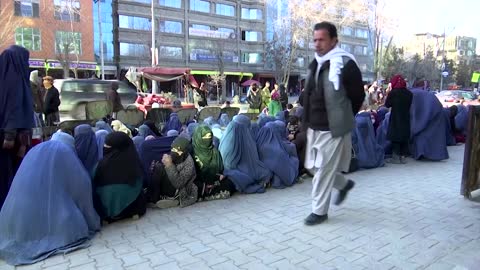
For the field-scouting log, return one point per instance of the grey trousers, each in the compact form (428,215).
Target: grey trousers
(326,157)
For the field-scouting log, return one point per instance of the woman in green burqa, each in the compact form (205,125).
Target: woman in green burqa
(211,182)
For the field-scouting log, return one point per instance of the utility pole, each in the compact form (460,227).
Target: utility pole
(154,49)
(443,60)
(102,60)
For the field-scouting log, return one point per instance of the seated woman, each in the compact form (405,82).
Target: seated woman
(368,152)
(172,123)
(240,157)
(86,146)
(224,120)
(148,128)
(49,208)
(138,141)
(381,136)
(173,179)
(278,154)
(102,125)
(428,126)
(118,181)
(211,182)
(209,121)
(119,126)
(100,136)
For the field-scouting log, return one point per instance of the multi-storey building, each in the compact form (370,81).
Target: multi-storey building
(56,32)
(456,48)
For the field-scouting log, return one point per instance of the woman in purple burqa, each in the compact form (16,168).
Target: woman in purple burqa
(428,126)
(16,114)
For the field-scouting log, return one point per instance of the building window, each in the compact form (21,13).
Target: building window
(251,14)
(300,62)
(361,33)
(171,27)
(67,10)
(347,31)
(360,50)
(200,5)
(29,38)
(68,42)
(170,3)
(225,10)
(131,22)
(225,30)
(201,27)
(27,8)
(346,47)
(134,49)
(170,52)
(252,36)
(251,58)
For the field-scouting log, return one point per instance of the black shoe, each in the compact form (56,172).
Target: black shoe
(314,219)
(342,194)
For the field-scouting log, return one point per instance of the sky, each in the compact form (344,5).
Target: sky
(458,17)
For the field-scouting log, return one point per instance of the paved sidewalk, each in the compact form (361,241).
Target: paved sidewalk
(397,217)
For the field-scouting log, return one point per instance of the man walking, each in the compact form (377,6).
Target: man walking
(333,95)
(51,102)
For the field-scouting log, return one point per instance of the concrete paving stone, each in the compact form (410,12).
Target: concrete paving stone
(111,267)
(319,255)
(54,260)
(240,229)
(440,266)
(211,258)
(272,246)
(196,266)
(283,265)
(86,266)
(297,245)
(255,237)
(349,256)
(238,257)
(228,265)
(7,267)
(171,248)
(147,248)
(256,265)
(221,247)
(123,249)
(205,237)
(372,263)
(279,237)
(61,266)
(230,237)
(341,264)
(400,262)
(106,259)
(312,264)
(247,247)
(141,266)
(168,266)
(184,258)
(196,247)
(266,256)
(158,258)
(79,258)
(131,258)
(292,255)
(36,266)
(98,249)
(322,244)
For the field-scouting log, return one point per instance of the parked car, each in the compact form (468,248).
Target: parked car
(453,97)
(75,93)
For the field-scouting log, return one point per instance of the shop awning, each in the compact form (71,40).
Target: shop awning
(211,72)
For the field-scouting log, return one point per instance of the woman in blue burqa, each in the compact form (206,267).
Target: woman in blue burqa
(118,181)
(428,126)
(86,146)
(148,128)
(369,153)
(381,136)
(172,123)
(240,157)
(100,135)
(49,209)
(16,114)
(278,154)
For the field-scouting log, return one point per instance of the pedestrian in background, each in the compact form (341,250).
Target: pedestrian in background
(51,102)
(114,98)
(333,95)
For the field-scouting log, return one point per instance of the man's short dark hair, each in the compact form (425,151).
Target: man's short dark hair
(289,106)
(330,27)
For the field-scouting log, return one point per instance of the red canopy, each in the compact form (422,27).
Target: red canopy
(161,74)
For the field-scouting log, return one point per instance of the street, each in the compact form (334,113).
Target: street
(397,217)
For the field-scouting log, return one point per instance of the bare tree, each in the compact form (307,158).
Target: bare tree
(382,27)
(294,32)
(9,23)
(68,43)
(217,49)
